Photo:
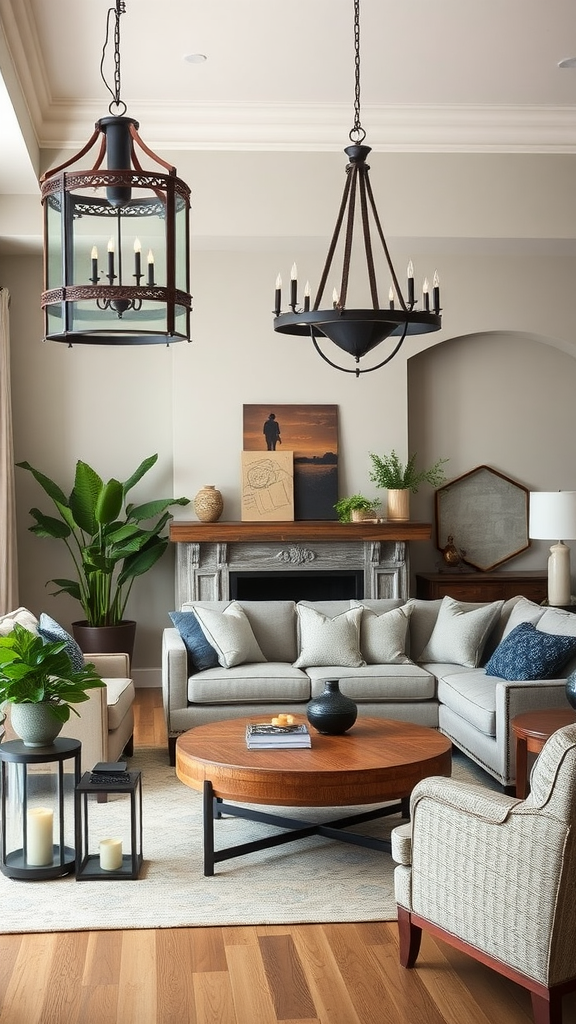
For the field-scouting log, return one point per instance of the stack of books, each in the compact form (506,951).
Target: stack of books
(261,735)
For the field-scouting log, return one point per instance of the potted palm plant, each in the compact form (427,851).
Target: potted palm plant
(38,680)
(110,541)
(401,479)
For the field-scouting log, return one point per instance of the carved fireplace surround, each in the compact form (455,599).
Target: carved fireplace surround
(209,555)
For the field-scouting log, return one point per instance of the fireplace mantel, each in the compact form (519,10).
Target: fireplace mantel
(208,553)
(303,530)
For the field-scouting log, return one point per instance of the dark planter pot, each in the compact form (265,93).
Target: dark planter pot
(105,639)
(332,713)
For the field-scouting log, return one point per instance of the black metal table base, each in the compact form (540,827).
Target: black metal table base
(214,808)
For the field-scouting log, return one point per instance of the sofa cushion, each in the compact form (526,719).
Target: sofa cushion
(460,632)
(383,637)
(423,615)
(273,624)
(230,634)
(530,653)
(471,695)
(267,682)
(327,641)
(201,654)
(524,611)
(374,683)
(119,698)
(20,615)
(52,632)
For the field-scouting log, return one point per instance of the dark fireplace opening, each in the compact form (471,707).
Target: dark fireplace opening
(297,586)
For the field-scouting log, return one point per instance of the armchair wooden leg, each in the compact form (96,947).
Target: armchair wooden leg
(547,1009)
(410,937)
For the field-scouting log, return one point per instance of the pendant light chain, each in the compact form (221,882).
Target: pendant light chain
(115,93)
(357,134)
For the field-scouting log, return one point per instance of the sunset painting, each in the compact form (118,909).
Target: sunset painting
(311,432)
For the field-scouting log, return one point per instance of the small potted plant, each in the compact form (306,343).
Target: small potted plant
(38,680)
(356,508)
(402,479)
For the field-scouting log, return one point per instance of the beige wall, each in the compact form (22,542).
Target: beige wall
(493,387)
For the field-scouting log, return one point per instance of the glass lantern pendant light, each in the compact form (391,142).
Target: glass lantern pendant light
(116,240)
(358,331)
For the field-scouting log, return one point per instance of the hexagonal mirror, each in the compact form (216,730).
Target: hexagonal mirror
(486,515)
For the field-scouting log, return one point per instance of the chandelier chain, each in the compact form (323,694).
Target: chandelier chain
(357,133)
(115,92)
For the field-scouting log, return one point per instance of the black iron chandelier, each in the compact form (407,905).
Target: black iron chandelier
(358,331)
(116,241)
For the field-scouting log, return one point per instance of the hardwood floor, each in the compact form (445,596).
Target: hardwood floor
(307,974)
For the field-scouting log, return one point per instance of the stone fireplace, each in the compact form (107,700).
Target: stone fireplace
(293,560)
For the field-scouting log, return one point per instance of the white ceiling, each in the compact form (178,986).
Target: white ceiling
(437,75)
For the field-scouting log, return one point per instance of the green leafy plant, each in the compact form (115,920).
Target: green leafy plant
(389,472)
(345,506)
(104,536)
(34,672)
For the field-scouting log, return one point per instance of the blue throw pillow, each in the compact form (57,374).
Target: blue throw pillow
(201,654)
(530,653)
(52,632)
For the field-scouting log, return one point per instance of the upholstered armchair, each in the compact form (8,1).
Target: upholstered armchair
(495,876)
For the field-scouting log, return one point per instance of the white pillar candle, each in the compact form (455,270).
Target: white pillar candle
(110,854)
(40,841)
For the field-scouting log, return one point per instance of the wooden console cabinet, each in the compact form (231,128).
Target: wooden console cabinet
(483,586)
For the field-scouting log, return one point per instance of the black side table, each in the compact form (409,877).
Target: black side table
(37,787)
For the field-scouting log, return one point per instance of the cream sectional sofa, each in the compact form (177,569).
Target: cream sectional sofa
(420,661)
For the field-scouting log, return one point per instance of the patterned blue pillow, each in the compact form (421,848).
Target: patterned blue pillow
(201,654)
(52,632)
(530,653)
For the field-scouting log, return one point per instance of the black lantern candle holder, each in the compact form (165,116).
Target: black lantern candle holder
(99,854)
(37,786)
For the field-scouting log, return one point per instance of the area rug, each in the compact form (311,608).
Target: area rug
(310,881)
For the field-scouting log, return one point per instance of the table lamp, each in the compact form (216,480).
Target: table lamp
(553,514)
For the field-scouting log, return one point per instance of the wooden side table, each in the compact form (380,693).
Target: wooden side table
(531,730)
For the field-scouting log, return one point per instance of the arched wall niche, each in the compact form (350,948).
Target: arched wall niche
(502,399)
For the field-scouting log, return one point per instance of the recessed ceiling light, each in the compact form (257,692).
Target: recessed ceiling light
(195,58)
(568,62)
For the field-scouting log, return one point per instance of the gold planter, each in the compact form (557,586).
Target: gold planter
(399,505)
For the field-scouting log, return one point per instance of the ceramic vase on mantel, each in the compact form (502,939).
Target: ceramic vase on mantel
(332,712)
(399,505)
(208,504)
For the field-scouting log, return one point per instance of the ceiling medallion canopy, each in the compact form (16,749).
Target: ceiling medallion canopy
(358,331)
(116,240)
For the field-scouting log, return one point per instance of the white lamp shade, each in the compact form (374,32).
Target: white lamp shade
(552,515)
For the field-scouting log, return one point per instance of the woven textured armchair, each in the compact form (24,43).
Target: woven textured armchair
(495,876)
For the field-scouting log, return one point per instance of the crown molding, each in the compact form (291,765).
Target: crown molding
(302,128)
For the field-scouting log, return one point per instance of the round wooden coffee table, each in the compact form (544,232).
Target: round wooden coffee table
(532,729)
(378,760)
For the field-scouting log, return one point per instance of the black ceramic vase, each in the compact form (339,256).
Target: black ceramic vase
(571,690)
(332,713)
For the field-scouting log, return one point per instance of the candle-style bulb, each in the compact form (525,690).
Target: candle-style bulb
(410,270)
(307,294)
(436,292)
(426,294)
(426,286)
(335,298)
(435,280)
(94,253)
(294,273)
(279,281)
(111,245)
(150,256)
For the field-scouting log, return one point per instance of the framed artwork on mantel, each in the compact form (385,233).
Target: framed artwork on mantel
(267,487)
(311,433)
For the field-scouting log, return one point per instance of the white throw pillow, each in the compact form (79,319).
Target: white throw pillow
(22,616)
(383,637)
(326,641)
(230,634)
(461,632)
